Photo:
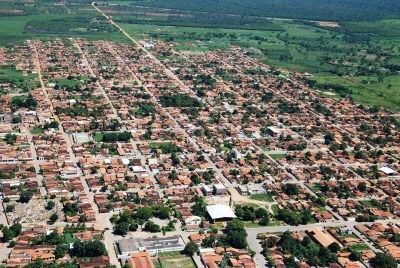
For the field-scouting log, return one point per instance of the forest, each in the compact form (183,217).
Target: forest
(336,10)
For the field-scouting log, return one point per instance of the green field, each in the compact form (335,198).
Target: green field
(175,260)
(22,82)
(262,197)
(37,130)
(49,20)
(98,137)
(358,247)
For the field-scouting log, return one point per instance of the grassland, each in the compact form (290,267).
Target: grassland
(22,82)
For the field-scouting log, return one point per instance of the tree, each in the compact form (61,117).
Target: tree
(261,213)
(199,207)
(16,228)
(82,218)
(334,247)
(50,205)
(25,196)
(290,189)
(10,208)
(7,234)
(92,248)
(121,228)
(133,226)
(264,221)
(152,227)
(53,218)
(208,242)
(246,213)
(355,255)
(195,179)
(143,214)
(59,252)
(163,212)
(383,260)
(190,248)
(326,257)
(236,234)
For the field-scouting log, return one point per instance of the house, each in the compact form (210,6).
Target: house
(139,260)
(321,237)
(192,220)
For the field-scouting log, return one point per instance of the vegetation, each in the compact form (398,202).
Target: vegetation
(262,197)
(41,264)
(235,234)
(293,217)
(50,205)
(199,207)
(46,19)
(10,138)
(26,195)
(190,248)
(130,220)
(174,259)
(314,254)
(165,147)
(91,248)
(144,109)
(113,136)
(326,10)
(251,213)
(9,74)
(22,101)
(179,100)
(290,189)
(11,232)
(383,260)
(80,109)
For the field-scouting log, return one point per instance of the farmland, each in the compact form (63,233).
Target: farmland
(48,21)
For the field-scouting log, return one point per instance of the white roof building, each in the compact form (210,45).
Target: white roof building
(218,212)
(125,161)
(388,171)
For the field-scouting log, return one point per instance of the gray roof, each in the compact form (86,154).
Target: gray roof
(137,244)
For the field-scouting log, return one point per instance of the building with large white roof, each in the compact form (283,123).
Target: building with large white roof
(220,212)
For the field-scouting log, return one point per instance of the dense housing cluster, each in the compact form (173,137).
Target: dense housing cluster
(211,153)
